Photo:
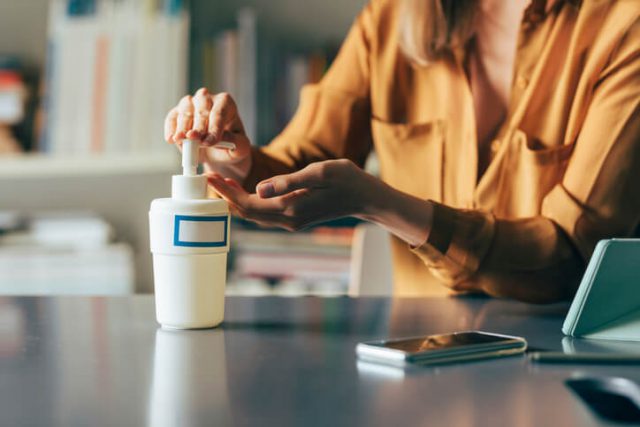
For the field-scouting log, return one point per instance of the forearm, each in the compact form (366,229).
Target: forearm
(401,214)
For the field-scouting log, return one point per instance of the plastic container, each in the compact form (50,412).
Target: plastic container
(189,241)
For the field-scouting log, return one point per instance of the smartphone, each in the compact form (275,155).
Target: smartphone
(439,349)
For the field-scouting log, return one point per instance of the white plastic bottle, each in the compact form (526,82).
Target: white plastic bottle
(189,241)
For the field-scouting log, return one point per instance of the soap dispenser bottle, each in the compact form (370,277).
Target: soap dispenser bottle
(189,241)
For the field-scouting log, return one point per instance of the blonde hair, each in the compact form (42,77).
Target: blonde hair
(428,28)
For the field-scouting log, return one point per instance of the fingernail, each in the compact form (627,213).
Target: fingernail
(266,189)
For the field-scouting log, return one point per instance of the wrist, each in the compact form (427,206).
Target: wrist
(403,215)
(375,206)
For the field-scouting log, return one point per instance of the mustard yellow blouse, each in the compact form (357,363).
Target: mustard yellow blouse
(565,165)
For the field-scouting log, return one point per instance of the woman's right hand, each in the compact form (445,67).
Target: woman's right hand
(210,119)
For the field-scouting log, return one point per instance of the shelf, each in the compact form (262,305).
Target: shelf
(38,166)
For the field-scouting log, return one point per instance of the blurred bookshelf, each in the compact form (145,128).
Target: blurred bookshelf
(112,69)
(272,262)
(43,166)
(264,52)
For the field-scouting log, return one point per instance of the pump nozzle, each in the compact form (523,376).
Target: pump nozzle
(189,185)
(190,157)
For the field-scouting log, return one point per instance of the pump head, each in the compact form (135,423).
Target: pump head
(189,185)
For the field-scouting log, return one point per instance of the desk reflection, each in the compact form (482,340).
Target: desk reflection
(189,385)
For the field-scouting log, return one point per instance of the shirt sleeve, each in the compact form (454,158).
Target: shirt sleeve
(598,198)
(600,194)
(333,117)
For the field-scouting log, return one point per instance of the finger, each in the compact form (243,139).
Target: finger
(270,220)
(251,204)
(228,193)
(233,183)
(242,145)
(199,128)
(170,123)
(223,113)
(202,104)
(227,136)
(265,219)
(283,184)
(235,210)
(185,118)
(295,196)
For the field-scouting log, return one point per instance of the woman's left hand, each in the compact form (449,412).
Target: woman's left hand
(321,191)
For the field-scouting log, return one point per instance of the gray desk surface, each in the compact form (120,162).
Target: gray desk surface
(104,361)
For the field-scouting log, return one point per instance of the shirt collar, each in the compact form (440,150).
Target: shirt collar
(538,9)
(550,4)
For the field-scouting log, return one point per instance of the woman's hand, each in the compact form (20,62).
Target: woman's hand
(320,192)
(211,119)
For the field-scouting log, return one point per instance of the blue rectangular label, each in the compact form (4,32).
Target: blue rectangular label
(200,231)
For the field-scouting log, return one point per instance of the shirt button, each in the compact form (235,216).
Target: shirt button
(495,145)
(522,82)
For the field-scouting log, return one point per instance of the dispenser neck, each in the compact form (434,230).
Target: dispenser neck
(189,185)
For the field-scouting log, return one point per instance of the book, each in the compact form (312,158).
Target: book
(114,69)
(247,71)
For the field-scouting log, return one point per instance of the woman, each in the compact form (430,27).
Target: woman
(508,134)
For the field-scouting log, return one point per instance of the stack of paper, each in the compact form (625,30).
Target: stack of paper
(65,253)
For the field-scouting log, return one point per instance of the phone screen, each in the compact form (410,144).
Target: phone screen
(445,341)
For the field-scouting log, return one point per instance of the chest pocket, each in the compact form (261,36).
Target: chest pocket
(529,173)
(411,156)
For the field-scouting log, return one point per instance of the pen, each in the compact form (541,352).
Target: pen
(593,358)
